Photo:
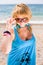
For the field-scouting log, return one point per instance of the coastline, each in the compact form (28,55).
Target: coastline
(34,20)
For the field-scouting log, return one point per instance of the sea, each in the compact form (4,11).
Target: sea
(6,10)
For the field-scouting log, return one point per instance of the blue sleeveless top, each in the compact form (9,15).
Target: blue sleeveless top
(22,52)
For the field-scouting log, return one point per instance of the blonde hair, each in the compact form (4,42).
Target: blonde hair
(21,9)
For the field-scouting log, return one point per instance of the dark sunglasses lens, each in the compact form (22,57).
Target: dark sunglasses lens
(21,19)
(17,19)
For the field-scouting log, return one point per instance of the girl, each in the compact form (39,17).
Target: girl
(20,41)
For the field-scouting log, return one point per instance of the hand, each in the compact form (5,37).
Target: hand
(10,22)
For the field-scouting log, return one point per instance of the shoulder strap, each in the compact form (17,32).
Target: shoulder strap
(29,27)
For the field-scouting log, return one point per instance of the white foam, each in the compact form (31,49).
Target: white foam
(31,22)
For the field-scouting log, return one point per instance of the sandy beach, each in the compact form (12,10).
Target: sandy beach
(38,32)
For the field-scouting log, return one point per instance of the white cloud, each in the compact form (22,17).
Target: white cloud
(21,1)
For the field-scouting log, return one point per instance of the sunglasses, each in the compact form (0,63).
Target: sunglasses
(21,19)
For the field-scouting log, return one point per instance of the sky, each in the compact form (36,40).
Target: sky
(21,1)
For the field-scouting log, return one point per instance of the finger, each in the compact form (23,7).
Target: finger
(10,20)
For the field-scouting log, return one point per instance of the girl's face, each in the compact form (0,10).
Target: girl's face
(22,20)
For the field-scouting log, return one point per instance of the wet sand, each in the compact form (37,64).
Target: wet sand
(38,32)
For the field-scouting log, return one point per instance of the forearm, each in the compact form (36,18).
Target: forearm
(6,44)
